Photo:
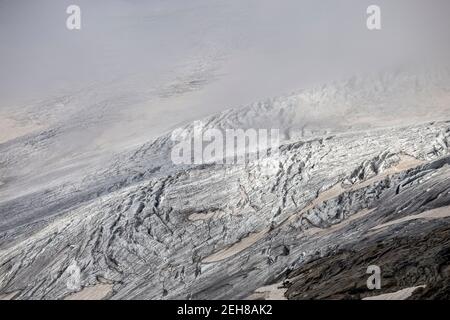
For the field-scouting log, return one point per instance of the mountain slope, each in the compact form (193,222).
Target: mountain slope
(140,227)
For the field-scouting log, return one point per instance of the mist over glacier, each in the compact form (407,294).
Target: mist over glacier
(86,176)
(238,51)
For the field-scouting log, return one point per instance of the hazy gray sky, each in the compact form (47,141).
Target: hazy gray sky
(138,69)
(251,47)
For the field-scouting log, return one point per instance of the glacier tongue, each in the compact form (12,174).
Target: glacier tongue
(250,227)
(139,227)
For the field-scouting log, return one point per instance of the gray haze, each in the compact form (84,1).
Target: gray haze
(252,48)
(87,174)
(137,69)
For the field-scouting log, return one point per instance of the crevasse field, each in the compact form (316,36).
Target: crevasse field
(93,205)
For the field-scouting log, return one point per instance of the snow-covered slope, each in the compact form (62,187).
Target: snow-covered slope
(354,155)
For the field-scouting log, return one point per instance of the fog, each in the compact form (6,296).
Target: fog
(137,69)
(72,99)
(249,48)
